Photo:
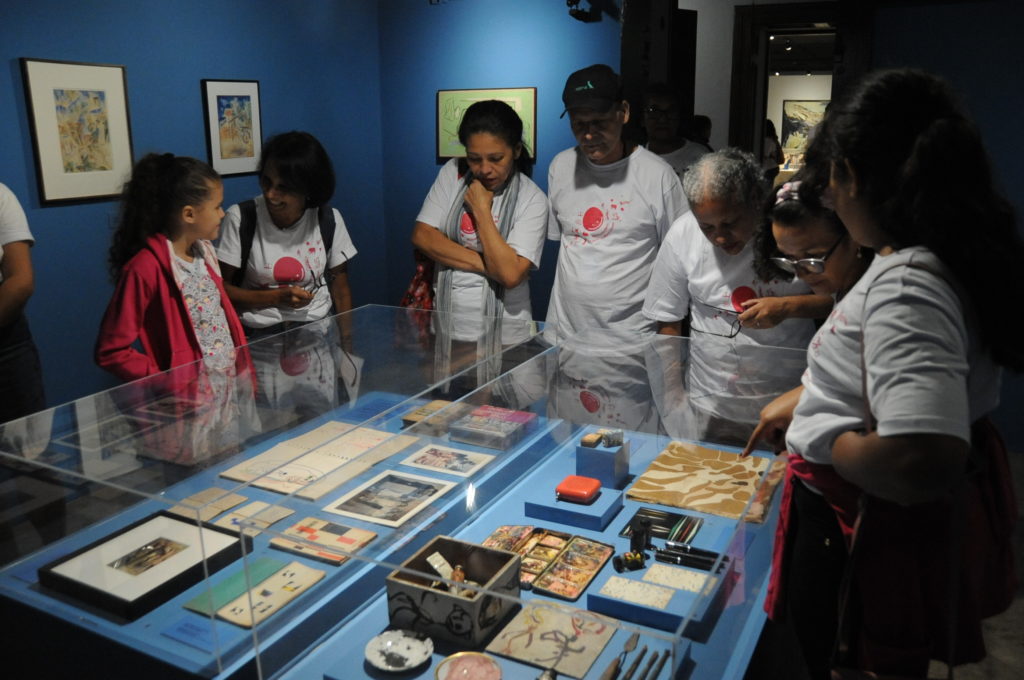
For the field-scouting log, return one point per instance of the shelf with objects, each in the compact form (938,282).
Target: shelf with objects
(123,512)
(588,508)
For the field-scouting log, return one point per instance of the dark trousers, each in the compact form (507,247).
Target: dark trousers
(816,566)
(21,373)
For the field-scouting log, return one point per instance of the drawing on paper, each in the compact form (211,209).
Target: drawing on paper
(566,640)
(234,124)
(83,129)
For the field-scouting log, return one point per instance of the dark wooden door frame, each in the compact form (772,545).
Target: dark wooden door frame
(852,22)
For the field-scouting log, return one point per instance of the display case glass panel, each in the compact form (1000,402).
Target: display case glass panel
(122,527)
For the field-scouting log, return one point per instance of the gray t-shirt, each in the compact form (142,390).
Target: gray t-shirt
(926,372)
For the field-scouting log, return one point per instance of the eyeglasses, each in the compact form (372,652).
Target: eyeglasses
(730,316)
(319,282)
(808,265)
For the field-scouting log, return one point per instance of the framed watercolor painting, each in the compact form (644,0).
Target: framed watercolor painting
(233,131)
(799,117)
(451,104)
(81,133)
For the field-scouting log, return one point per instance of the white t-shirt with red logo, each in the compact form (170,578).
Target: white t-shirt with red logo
(526,237)
(285,257)
(611,220)
(694,277)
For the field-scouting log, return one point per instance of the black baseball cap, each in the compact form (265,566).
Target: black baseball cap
(595,87)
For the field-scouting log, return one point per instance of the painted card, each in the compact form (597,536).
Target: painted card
(270,596)
(445,459)
(565,640)
(322,540)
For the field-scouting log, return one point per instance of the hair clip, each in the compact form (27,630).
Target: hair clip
(788,192)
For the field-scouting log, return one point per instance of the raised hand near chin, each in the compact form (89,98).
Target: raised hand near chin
(479,198)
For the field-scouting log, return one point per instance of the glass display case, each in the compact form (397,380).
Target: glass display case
(356,498)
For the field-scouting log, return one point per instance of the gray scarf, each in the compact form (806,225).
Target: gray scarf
(492,305)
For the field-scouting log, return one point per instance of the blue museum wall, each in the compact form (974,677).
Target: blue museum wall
(462,44)
(977,47)
(317,62)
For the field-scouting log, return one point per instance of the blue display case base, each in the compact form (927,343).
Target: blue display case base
(540,503)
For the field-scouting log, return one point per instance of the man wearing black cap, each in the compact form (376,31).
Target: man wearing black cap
(611,205)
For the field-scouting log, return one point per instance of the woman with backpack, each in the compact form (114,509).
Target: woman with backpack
(285,253)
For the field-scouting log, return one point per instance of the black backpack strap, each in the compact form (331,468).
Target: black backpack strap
(325,216)
(246,234)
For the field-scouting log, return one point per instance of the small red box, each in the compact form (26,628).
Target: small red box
(577,489)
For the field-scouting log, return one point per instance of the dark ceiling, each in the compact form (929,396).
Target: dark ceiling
(809,52)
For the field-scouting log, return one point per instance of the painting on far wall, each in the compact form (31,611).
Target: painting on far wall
(233,128)
(451,104)
(799,117)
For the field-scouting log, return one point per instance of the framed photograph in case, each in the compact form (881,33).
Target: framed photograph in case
(234,135)
(138,568)
(390,498)
(81,132)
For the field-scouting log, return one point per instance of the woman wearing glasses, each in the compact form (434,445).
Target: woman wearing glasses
(705,271)
(804,238)
(889,431)
(705,268)
(295,247)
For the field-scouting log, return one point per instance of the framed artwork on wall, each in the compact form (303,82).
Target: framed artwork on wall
(798,119)
(234,136)
(81,132)
(451,104)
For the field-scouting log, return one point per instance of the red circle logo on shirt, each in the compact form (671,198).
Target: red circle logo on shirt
(593,219)
(288,270)
(295,364)
(741,295)
(589,401)
(466,224)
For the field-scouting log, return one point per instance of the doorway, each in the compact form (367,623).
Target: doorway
(789,61)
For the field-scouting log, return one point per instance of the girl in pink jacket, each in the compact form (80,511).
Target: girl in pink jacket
(169,298)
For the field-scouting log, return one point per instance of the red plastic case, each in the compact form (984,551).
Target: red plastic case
(577,489)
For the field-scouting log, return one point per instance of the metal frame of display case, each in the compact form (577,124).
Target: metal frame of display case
(647,386)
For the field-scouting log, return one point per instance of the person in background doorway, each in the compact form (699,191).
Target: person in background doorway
(771,152)
(700,131)
(663,122)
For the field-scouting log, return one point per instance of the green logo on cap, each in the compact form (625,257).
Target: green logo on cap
(588,86)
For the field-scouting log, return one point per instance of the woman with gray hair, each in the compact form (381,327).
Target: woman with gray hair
(705,268)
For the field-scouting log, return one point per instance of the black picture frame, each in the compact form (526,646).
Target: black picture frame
(80,127)
(233,122)
(132,608)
